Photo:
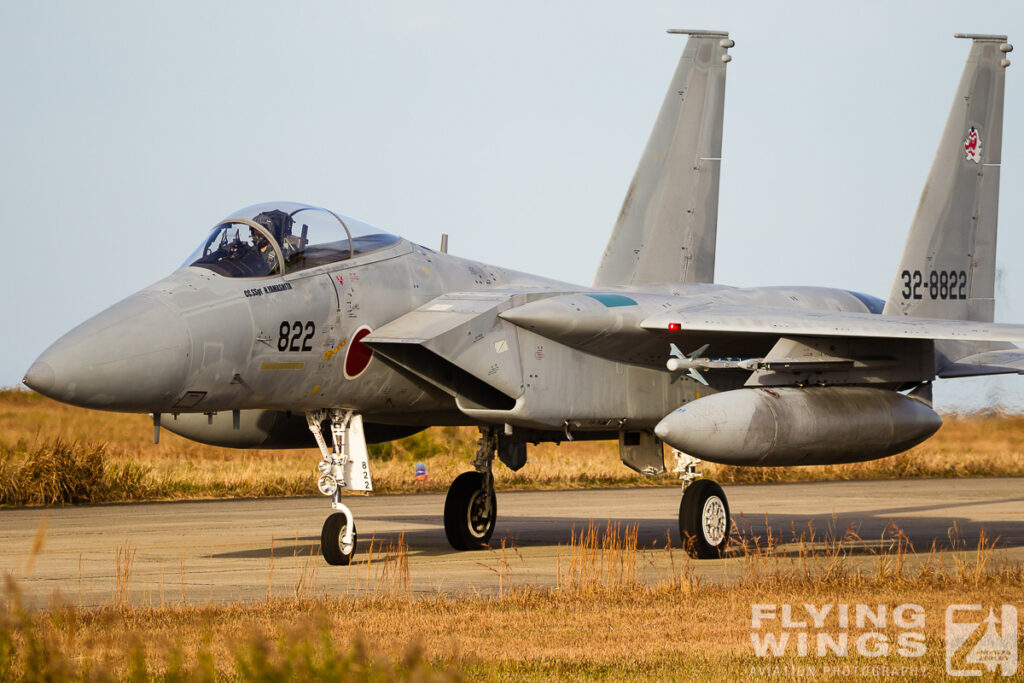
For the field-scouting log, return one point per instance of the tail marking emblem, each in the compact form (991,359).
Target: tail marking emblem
(972,146)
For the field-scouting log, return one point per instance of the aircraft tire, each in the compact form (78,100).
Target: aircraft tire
(331,547)
(464,524)
(704,521)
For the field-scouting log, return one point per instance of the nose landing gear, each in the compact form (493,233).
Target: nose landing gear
(345,467)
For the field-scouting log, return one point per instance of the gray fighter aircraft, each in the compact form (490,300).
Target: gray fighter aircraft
(293,326)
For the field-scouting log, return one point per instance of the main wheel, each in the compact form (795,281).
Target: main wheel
(704,519)
(332,543)
(468,519)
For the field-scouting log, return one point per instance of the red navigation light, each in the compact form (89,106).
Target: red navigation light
(674,327)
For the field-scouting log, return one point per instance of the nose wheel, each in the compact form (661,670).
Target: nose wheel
(338,539)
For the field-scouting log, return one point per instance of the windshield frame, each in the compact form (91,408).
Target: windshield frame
(279,255)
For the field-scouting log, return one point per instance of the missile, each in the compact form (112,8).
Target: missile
(681,364)
(693,363)
(798,425)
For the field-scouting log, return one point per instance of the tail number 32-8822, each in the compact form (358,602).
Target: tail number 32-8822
(295,336)
(938,284)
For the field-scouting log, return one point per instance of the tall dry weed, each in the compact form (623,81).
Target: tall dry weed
(61,472)
(598,560)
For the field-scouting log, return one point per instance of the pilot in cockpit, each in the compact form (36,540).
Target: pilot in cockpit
(279,224)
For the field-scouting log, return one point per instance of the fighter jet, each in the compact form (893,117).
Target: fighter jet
(294,326)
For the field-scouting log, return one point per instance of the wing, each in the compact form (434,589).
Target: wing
(847,347)
(775,344)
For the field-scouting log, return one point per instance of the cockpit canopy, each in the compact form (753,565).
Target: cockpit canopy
(283,237)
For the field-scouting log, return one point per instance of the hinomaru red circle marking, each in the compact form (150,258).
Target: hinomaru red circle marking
(358,355)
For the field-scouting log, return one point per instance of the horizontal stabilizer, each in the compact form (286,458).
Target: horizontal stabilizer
(998,362)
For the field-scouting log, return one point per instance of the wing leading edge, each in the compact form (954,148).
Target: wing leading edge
(811,323)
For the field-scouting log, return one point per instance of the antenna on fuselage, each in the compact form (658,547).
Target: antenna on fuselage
(444,243)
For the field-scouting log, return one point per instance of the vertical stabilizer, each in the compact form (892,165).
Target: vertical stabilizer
(949,261)
(667,227)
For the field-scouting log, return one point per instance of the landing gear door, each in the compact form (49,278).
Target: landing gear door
(642,452)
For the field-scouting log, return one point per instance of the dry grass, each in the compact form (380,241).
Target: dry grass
(601,622)
(51,453)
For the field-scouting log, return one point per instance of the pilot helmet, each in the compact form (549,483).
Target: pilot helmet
(277,222)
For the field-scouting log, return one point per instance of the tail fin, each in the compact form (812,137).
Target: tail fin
(949,261)
(667,227)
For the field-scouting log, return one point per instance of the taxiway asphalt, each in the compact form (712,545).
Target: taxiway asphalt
(230,550)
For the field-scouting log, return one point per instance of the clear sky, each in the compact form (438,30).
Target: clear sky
(129,128)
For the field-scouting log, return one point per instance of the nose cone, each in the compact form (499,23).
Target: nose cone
(725,428)
(134,357)
(39,377)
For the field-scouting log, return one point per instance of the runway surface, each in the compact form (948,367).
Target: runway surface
(200,552)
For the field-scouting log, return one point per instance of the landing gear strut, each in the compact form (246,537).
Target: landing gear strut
(345,467)
(704,521)
(471,508)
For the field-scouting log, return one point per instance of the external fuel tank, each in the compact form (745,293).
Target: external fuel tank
(798,426)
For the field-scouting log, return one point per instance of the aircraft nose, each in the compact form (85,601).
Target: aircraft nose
(134,357)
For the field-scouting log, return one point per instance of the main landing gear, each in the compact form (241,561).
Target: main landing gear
(471,508)
(345,467)
(704,521)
